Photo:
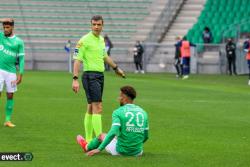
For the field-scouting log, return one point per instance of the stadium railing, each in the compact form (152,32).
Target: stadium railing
(56,58)
(214,62)
(164,20)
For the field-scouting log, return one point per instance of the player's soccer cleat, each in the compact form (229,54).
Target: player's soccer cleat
(249,82)
(82,142)
(9,124)
(142,71)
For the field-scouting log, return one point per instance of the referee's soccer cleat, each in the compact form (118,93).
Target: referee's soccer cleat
(82,142)
(9,124)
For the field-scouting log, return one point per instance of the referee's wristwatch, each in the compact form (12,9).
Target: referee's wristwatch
(75,77)
(115,68)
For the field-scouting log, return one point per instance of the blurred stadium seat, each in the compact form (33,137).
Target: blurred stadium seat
(46,25)
(219,15)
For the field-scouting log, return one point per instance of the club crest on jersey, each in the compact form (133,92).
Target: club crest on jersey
(1,47)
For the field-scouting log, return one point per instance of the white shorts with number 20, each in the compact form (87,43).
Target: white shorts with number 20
(8,79)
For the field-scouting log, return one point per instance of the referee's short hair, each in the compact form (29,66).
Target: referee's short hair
(129,91)
(97,17)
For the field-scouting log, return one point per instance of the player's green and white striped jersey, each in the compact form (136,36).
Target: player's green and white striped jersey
(10,49)
(133,122)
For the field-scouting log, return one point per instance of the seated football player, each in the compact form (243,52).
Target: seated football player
(129,130)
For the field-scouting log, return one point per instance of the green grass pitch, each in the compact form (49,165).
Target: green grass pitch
(200,122)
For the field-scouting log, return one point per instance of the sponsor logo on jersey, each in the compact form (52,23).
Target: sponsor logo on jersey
(7,52)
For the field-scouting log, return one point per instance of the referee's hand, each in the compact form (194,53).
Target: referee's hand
(75,86)
(120,72)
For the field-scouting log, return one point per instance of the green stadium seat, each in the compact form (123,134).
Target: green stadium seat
(245,28)
(245,2)
(223,2)
(220,15)
(209,15)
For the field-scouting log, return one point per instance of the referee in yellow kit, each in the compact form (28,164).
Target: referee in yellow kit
(90,50)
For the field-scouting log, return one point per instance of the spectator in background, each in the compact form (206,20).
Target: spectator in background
(246,47)
(138,52)
(185,48)
(231,56)
(67,47)
(108,46)
(207,35)
(177,62)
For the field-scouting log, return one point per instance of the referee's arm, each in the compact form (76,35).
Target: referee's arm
(75,83)
(111,63)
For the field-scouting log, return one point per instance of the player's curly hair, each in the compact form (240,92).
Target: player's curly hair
(129,91)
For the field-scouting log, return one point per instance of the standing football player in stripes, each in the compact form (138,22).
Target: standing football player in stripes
(11,55)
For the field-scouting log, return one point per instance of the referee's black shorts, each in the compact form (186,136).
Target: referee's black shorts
(93,83)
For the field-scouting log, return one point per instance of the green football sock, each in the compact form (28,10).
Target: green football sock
(93,144)
(88,126)
(97,124)
(9,109)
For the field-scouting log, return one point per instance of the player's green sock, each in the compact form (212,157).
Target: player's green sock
(9,109)
(97,124)
(93,144)
(88,126)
